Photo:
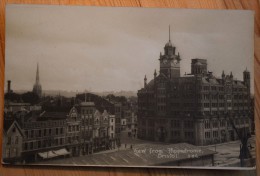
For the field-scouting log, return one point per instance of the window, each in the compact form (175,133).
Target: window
(31,145)
(206,88)
(15,152)
(215,134)
(213,88)
(25,146)
(56,141)
(207,124)
(188,124)
(44,144)
(206,112)
(206,105)
(7,153)
(14,130)
(175,123)
(9,139)
(39,144)
(247,121)
(188,134)
(26,134)
(222,123)
(215,124)
(39,133)
(207,135)
(32,133)
(45,132)
(177,133)
(16,140)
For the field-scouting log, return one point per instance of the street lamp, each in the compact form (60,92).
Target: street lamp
(215,141)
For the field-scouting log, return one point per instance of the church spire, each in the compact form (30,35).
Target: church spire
(169,43)
(169,33)
(37,88)
(145,81)
(37,75)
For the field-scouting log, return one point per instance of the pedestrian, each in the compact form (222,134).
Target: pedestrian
(125,145)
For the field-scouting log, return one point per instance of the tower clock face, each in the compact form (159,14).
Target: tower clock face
(164,61)
(175,62)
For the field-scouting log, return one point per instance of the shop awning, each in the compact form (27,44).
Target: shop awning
(61,152)
(49,154)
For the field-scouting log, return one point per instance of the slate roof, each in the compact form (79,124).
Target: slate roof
(52,116)
(238,83)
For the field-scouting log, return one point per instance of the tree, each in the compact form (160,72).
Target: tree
(30,97)
(111,97)
(14,97)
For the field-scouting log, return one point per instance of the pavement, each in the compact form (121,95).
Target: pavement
(228,153)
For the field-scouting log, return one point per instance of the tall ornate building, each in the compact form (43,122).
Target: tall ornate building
(198,108)
(37,88)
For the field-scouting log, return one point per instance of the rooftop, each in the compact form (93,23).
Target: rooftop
(52,116)
(142,155)
(87,104)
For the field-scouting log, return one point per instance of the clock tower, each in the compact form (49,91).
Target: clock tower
(169,61)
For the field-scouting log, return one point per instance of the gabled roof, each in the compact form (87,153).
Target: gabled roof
(73,110)
(17,126)
(150,84)
(239,83)
(7,123)
(105,113)
(213,81)
(97,113)
(204,80)
(162,75)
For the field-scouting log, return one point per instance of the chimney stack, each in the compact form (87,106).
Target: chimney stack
(8,86)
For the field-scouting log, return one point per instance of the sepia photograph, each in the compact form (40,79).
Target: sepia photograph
(129,87)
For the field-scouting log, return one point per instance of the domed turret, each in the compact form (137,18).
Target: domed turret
(169,49)
(169,43)
(169,61)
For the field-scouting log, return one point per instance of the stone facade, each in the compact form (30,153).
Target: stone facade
(32,135)
(13,142)
(198,108)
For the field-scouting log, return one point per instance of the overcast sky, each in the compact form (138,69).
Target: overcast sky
(111,49)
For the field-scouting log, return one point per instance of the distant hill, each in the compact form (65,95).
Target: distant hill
(120,93)
(73,93)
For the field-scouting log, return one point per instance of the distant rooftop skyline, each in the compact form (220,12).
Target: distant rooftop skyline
(111,49)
